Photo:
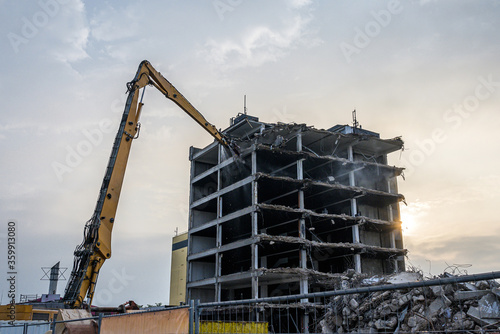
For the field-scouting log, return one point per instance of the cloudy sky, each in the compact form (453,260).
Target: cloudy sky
(424,70)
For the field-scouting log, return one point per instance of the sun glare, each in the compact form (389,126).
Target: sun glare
(409,222)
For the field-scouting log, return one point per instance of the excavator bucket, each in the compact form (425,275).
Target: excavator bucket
(75,327)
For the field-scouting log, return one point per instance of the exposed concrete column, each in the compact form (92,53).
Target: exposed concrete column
(354,211)
(390,217)
(218,261)
(304,286)
(218,241)
(191,192)
(255,197)
(190,221)
(219,176)
(264,291)
(254,216)
(302,223)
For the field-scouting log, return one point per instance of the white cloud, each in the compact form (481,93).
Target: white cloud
(417,208)
(300,3)
(261,44)
(162,135)
(439,252)
(35,128)
(72,33)
(17,190)
(111,24)
(425,2)
(469,190)
(76,43)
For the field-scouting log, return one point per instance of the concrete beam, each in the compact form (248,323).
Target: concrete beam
(225,248)
(246,275)
(353,247)
(202,282)
(224,219)
(203,151)
(328,159)
(223,191)
(366,192)
(356,219)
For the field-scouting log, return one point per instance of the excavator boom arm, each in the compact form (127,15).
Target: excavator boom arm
(90,255)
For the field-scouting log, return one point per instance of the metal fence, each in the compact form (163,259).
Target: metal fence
(36,327)
(453,304)
(449,304)
(24,327)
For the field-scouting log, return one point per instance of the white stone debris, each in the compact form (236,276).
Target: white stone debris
(467,307)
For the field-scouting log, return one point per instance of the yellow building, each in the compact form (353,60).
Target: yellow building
(25,313)
(178,269)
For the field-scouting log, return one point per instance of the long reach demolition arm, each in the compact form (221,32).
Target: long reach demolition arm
(96,246)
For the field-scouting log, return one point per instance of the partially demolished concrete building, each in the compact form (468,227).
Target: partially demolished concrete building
(297,207)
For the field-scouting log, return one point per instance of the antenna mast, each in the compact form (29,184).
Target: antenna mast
(355,122)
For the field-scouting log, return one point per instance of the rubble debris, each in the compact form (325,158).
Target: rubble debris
(467,295)
(404,277)
(305,184)
(487,312)
(452,307)
(339,245)
(396,171)
(305,213)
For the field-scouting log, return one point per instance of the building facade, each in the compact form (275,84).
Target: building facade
(295,209)
(178,269)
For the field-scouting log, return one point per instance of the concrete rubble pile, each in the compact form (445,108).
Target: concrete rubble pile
(469,307)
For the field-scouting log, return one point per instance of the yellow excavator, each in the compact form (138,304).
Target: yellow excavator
(90,255)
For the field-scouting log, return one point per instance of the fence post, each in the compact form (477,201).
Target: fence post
(197,316)
(191,317)
(53,325)
(99,322)
(25,328)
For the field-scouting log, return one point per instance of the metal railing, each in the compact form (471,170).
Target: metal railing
(453,304)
